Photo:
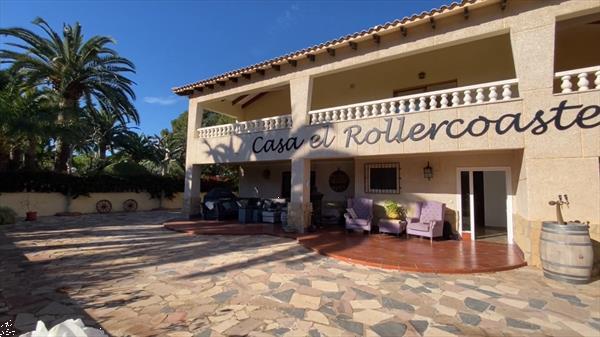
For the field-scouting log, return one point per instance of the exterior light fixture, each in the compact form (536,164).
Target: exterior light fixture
(421,75)
(428,172)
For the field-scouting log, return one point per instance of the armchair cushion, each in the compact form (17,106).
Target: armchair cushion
(421,227)
(352,213)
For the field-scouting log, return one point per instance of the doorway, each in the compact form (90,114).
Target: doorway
(485,204)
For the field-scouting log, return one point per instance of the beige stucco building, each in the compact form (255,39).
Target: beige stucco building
(500,98)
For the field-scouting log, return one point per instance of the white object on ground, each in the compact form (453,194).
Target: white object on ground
(68,328)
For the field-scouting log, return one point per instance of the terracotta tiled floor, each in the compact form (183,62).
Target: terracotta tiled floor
(379,250)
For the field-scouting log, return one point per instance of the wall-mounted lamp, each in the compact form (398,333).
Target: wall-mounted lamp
(428,172)
(421,75)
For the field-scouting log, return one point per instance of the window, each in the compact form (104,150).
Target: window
(382,178)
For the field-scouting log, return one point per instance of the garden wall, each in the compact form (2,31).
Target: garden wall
(52,203)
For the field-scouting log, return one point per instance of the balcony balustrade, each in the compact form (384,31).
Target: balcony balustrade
(447,98)
(256,125)
(579,79)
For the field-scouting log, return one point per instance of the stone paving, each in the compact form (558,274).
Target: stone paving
(128,275)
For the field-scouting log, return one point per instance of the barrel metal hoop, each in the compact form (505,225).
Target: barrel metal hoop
(565,265)
(566,278)
(583,233)
(573,227)
(567,243)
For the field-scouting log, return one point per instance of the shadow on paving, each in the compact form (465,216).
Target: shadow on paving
(56,268)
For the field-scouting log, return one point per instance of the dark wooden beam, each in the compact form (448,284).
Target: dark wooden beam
(246,76)
(503,4)
(253,99)
(404,31)
(222,83)
(331,51)
(294,63)
(261,71)
(376,38)
(353,45)
(432,22)
(466,13)
(233,79)
(277,67)
(210,86)
(311,57)
(237,99)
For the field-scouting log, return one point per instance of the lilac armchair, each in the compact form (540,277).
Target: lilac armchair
(363,208)
(429,220)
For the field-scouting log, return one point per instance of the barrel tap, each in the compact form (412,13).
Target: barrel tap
(562,200)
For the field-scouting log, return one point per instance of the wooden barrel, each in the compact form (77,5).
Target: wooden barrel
(566,252)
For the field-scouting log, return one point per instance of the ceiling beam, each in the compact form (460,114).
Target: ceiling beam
(331,51)
(311,57)
(376,38)
(294,63)
(353,45)
(237,99)
(277,67)
(254,99)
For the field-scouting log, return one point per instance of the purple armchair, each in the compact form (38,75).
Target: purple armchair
(429,220)
(363,208)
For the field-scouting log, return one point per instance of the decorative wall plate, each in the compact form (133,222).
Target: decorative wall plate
(339,180)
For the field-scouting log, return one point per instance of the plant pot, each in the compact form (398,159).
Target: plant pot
(31,216)
(566,252)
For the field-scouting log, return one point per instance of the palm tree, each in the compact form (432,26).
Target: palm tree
(168,150)
(76,70)
(27,115)
(105,131)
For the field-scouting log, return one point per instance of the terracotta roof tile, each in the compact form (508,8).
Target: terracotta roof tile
(186,89)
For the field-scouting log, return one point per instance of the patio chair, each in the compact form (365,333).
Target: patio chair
(429,220)
(359,214)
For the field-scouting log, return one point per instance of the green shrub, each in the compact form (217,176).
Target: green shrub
(7,216)
(394,210)
(125,169)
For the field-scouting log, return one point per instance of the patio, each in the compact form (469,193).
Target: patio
(125,273)
(379,250)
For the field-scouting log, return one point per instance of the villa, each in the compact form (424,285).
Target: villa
(488,107)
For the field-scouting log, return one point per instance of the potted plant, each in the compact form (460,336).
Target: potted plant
(29,215)
(394,210)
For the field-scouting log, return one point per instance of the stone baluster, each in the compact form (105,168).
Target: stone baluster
(374,110)
(350,113)
(402,106)
(393,107)
(597,81)
(479,97)
(444,101)
(422,103)
(383,108)
(321,118)
(343,114)
(506,92)
(455,99)
(433,102)
(467,98)
(411,105)
(313,118)
(566,84)
(365,111)
(327,116)
(335,115)
(493,94)
(583,84)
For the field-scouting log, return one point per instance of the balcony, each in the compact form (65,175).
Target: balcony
(434,100)
(255,125)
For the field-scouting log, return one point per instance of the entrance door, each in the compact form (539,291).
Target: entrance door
(485,205)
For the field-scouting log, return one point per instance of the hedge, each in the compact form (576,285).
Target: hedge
(76,186)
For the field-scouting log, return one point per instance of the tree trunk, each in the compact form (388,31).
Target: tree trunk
(63,147)
(31,154)
(101,150)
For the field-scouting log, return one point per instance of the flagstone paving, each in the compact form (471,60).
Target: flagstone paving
(126,274)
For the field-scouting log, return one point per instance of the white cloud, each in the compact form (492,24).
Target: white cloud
(161,100)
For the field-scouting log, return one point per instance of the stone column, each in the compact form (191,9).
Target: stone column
(191,196)
(299,209)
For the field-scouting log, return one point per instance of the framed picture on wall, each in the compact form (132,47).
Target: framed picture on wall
(382,178)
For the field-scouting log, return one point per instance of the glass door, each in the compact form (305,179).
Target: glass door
(467,211)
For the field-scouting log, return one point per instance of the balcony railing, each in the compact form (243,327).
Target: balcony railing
(582,78)
(256,125)
(433,100)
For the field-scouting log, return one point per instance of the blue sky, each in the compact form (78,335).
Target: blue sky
(177,42)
